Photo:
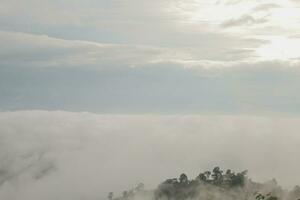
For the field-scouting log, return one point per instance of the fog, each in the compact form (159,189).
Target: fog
(63,155)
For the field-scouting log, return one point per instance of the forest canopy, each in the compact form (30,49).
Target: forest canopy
(211,185)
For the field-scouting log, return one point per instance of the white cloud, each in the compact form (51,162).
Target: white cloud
(43,51)
(264,7)
(281,48)
(47,155)
(191,27)
(156,31)
(243,20)
(23,49)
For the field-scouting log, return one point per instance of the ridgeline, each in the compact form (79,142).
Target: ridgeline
(211,185)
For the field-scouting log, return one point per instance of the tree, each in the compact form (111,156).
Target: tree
(110,195)
(272,198)
(294,193)
(207,174)
(238,179)
(259,196)
(217,175)
(228,176)
(183,179)
(201,177)
(140,187)
(125,194)
(182,188)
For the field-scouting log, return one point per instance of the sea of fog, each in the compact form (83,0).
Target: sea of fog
(64,155)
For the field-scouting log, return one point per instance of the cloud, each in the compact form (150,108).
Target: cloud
(245,20)
(188,23)
(296,1)
(22,49)
(84,155)
(266,7)
(43,51)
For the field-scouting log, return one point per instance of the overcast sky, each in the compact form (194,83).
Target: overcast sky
(160,56)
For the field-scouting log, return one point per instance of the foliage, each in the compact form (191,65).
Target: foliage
(211,185)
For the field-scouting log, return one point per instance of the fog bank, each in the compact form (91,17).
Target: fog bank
(64,155)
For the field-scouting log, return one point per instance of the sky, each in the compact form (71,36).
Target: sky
(163,56)
(99,95)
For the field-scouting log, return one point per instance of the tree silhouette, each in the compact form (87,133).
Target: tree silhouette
(217,175)
(183,179)
(140,187)
(110,195)
(208,186)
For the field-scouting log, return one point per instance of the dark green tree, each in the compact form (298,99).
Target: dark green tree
(217,176)
(201,177)
(207,174)
(183,179)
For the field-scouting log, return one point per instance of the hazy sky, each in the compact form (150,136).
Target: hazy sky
(160,56)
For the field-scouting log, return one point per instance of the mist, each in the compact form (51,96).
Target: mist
(67,155)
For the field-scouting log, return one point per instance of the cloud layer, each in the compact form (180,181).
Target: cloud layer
(96,32)
(63,155)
